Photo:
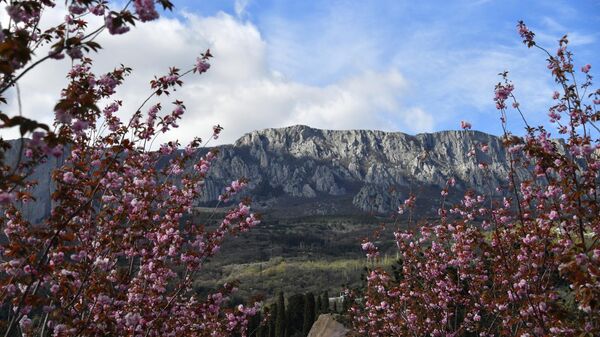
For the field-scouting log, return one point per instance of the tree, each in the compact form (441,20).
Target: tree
(272,319)
(280,316)
(118,254)
(309,313)
(295,314)
(262,330)
(318,306)
(254,324)
(521,261)
(325,303)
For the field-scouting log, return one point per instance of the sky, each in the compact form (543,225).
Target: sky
(392,65)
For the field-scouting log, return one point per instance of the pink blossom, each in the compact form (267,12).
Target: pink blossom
(80,125)
(75,52)
(6,197)
(145,10)
(115,24)
(69,178)
(76,9)
(586,68)
(201,65)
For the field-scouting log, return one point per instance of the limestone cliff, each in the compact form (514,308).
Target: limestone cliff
(329,171)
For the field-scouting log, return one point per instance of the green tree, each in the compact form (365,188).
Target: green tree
(325,303)
(254,325)
(318,306)
(262,330)
(280,316)
(309,313)
(273,312)
(295,315)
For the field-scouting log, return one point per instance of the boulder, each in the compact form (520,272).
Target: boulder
(326,326)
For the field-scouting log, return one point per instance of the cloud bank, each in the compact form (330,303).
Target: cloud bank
(240,91)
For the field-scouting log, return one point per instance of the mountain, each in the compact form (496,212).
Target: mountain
(306,171)
(319,193)
(355,170)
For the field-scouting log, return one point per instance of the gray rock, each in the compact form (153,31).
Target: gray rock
(327,326)
(353,170)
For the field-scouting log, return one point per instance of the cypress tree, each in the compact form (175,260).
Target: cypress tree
(345,304)
(318,307)
(262,329)
(295,314)
(325,303)
(288,332)
(280,316)
(273,312)
(254,325)
(309,313)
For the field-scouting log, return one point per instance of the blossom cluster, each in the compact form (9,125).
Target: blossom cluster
(523,260)
(118,254)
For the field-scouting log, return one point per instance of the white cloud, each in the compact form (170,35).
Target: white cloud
(240,91)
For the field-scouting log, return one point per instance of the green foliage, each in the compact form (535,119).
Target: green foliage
(295,314)
(318,307)
(280,316)
(325,303)
(309,313)
(254,328)
(273,311)
(288,275)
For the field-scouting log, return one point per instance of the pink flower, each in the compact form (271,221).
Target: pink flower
(6,197)
(25,323)
(69,178)
(201,65)
(115,24)
(75,52)
(465,125)
(526,34)
(20,14)
(145,10)
(80,126)
(97,10)
(370,249)
(586,68)
(63,116)
(76,9)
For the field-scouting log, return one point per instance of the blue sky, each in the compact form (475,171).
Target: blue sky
(436,46)
(410,66)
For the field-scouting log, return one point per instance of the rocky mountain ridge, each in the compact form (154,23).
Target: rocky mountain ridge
(372,169)
(313,171)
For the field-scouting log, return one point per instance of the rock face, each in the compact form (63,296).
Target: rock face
(326,171)
(36,210)
(370,171)
(326,326)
